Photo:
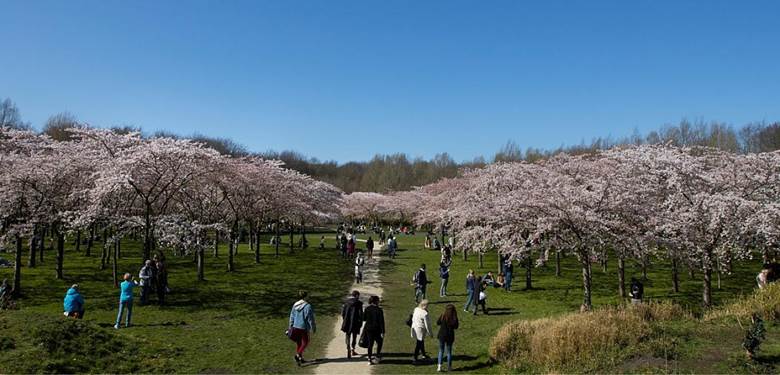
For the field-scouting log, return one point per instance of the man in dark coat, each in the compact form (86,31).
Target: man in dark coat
(352,321)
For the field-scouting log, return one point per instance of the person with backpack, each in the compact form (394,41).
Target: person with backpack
(301,323)
(444,274)
(374,328)
(420,281)
(448,323)
(352,321)
(73,304)
(470,279)
(420,327)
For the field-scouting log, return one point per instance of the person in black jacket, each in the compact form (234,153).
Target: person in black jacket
(420,281)
(352,320)
(374,328)
(448,323)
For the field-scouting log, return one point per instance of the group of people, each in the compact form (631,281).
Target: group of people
(152,278)
(421,328)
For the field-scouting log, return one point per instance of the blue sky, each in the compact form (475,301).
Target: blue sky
(343,80)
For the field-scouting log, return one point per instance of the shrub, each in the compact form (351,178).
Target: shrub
(764,302)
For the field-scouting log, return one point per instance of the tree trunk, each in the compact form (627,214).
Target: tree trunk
(557,263)
(230,265)
(200,259)
(276,237)
(644,268)
(604,263)
(256,241)
(481,255)
(621,277)
(707,283)
(104,250)
(465,255)
(675,276)
(303,236)
(17,289)
(78,241)
(114,265)
(251,238)
(60,251)
(586,280)
(33,248)
(500,263)
(91,240)
(216,244)
(147,234)
(291,238)
(41,244)
(529,265)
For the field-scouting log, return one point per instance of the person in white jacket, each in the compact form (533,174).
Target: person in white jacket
(421,327)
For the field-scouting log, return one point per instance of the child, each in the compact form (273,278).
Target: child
(482,300)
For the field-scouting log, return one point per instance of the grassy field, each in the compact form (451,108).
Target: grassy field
(234,323)
(230,323)
(707,348)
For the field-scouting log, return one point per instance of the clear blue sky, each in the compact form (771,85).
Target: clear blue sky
(344,80)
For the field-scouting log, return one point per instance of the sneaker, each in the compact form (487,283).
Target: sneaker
(297,360)
(116,326)
(438,368)
(354,353)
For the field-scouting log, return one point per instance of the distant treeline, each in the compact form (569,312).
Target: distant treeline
(400,172)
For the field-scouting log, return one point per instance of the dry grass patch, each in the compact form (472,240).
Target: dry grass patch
(765,302)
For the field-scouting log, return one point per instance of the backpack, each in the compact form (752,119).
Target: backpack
(409,320)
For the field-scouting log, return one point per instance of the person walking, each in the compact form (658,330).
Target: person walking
(420,281)
(162,278)
(126,300)
(448,323)
(352,321)
(470,279)
(475,294)
(508,269)
(351,248)
(145,275)
(444,274)
(374,328)
(370,247)
(73,304)
(322,242)
(392,247)
(343,247)
(359,263)
(301,323)
(421,327)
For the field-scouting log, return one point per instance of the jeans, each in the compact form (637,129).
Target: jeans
(508,282)
(469,299)
(419,293)
(445,349)
(419,348)
(122,306)
(443,289)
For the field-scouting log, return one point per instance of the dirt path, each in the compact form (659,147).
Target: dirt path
(335,360)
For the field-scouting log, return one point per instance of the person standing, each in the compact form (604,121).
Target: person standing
(421,327)
(475,294)
(301,323)
(420,281)
(351,248)
(73,304)
(448,323)
(370,247)
(637,291)
(126,300)
(351,321)
(508,269)
(162,278)
(374,328)
(322,242)
(145,275)
(344,246)
(444,274)
(469,290)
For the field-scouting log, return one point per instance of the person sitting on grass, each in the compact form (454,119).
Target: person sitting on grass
(488,279)
(126,300)
(73,305)
(500,281)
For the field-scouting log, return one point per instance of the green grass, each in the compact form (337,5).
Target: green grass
(550,296)
(234,322)
(230,323)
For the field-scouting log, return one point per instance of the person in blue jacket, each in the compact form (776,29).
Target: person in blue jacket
(126,300)
(73,304)
(301,323)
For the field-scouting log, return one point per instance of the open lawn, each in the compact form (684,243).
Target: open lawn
(234,322)
(230,323)
(698,347)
